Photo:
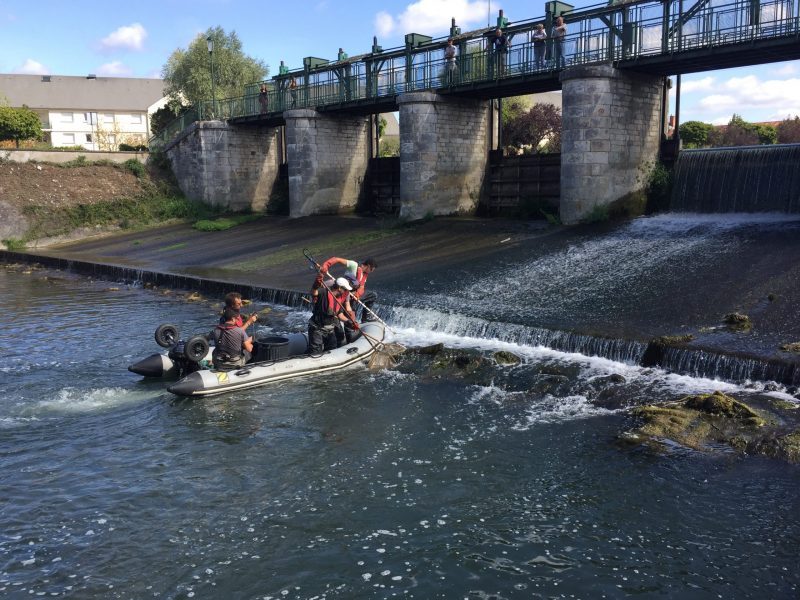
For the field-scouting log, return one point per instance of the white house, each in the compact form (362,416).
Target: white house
(97,113)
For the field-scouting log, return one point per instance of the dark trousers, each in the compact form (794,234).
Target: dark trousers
(321,338)
(368,299)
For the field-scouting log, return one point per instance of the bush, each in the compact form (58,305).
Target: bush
(132,148)
(14,244)
(223,223)
(135,167)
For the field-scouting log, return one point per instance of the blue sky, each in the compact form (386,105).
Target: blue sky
(134,39)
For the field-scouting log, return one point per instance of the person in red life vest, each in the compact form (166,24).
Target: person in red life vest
(360,272)
(234,300)
(331,305)
(232,346)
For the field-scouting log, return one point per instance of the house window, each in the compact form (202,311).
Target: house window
(136,119)
(69,139)
(89,137)
(108,118)
(67,117)
(112,140)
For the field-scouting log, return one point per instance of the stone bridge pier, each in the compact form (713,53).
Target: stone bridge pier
(328,158)
(444,154)
(225,166)
(610,137)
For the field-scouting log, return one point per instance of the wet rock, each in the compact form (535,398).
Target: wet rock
(194,297)
(431,350)
(793,347)
(506,358)
(549,384)
(784,404)
(610,398)
(771,387)
(705,422)
(672,340)
(738,321)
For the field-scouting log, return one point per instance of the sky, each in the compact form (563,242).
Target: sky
(135,39)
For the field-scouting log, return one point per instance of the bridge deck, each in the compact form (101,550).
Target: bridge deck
(664,38)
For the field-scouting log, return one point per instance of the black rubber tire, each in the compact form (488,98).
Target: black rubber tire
(196,348)
(166,335)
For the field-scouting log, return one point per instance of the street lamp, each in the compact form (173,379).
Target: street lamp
(210,42)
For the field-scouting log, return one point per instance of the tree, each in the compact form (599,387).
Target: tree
(187,74)
(788,131)
(694,134)
(19,124)
(513,108)
(536,130)
(165,115)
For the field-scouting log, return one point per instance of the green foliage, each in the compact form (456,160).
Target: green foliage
(598,214)
(135,167)
(14,244)
(19,124)
(223,223)
(788,131)
(131,148)
(659,187)
(165,115)
(187,73)
(381,126)
(694,134)
(767,134)
(389,148)
(534,128)
(513,108)
(551,218)
(78,161)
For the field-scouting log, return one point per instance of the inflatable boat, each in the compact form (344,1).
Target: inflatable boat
(277,359)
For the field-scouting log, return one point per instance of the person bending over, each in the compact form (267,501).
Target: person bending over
(360,272)
(331,305)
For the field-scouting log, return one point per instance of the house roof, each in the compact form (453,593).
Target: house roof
(56,92)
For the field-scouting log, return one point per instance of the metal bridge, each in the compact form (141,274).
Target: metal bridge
(667,37)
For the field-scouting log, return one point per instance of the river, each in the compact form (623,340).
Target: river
(400,483)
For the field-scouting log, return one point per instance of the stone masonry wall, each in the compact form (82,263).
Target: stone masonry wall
(328,158)
(444,150)
(226,166)
(610,136)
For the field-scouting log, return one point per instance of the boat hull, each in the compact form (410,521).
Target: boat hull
(211,382)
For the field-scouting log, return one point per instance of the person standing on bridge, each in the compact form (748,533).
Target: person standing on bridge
(558,34)
(450,62)
(263,97)
(293,90)
(500,45)
(539,37)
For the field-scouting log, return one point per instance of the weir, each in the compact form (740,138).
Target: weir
(744,179)
(688,361)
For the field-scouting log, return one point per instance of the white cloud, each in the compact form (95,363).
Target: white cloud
(754,98)
(128,36)
(786,70)
(32,67)
(431,17)
(114,69)
(706,83)
(384,23)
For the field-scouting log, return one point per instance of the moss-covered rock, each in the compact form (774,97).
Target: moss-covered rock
(672,340)
(793,347)
(705,421)
(737,321)
(506,358)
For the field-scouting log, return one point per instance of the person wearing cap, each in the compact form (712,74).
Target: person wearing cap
(331,305)
(234,300)
(360,272)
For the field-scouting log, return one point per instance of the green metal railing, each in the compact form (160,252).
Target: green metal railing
(618,33)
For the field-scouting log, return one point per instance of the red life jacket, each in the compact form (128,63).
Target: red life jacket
(362,281)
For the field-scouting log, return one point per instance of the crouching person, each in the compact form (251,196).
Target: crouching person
(331,305)
(233,346)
